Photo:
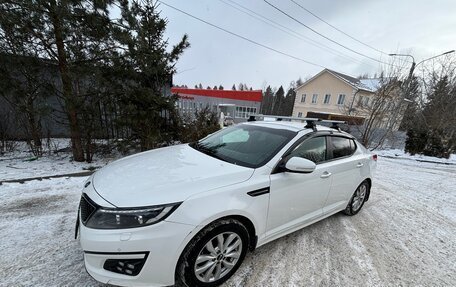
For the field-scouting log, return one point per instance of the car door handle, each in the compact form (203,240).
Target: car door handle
(360,164)
(325,174)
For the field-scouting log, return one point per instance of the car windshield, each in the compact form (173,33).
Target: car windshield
(245,145)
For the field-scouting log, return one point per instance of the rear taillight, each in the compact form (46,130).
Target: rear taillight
(374,157)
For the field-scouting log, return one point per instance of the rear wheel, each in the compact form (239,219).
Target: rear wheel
(213,255)
(358,199)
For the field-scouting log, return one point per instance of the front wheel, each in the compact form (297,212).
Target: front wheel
(213,255)
(357,201)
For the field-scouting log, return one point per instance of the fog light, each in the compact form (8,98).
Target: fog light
(130,267)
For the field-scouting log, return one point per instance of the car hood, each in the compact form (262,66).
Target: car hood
(164,175)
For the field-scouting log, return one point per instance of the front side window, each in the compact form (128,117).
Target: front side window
(245,145)
(313,149)
(314,98)
(327,98)
(299,115)
(342,147)
(341,99)
(303,98)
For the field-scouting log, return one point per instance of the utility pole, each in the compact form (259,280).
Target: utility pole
(407,84)
(412,68)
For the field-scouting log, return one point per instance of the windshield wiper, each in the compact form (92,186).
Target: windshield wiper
(206,150)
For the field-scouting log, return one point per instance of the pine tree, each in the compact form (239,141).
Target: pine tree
(25,86)
(233,87)
(279,99)
(146,66)
(220,87)
(266,104)
(200,86)
(440,116)
(289,101)
(71,33)
(215,88)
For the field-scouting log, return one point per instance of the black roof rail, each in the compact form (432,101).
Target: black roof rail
(311,123)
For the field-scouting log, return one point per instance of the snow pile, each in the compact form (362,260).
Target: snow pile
(400,154)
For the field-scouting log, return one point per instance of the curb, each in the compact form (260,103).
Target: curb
(419,160)
(22,180)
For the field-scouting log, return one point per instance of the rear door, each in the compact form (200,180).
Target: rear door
(346,165)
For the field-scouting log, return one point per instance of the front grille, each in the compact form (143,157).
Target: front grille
(86,208)
(130,267)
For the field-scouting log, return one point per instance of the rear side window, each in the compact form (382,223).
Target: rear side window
(342,147)
(313,149)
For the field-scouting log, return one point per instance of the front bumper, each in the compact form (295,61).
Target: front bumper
(160,245)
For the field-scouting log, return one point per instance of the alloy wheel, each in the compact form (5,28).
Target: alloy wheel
(359,197)
(218,257)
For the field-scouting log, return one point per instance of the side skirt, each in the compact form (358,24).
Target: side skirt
(265,240)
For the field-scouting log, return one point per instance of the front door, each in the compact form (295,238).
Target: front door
(298,198)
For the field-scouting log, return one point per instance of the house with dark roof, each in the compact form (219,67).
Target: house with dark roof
(333,93)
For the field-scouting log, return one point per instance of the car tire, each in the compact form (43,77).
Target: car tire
(358,198)
(228,231)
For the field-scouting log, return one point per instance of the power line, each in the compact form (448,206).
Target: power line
(240,36)
(290,32)
(326,37)
(334,27)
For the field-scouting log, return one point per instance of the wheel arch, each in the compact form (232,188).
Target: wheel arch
(253,237)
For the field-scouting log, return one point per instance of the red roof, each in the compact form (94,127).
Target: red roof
(254,96)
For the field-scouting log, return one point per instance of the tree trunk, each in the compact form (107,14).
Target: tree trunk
(67,88)
(34,128)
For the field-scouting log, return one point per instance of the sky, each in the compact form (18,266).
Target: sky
(421,28)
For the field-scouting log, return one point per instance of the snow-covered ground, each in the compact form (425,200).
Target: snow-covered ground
(405,234)
(397,153)
(22,164)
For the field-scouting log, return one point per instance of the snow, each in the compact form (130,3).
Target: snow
(397,153)
(404,235)
(22,164)
(371,84)
(37,221)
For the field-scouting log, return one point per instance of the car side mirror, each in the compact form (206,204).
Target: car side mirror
(300,165)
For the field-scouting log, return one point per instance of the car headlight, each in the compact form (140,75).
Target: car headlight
(118,218)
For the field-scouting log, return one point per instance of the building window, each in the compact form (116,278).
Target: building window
(245,112)
(360,101)
(341,99)
(303,98)
(299,115)
(314,98)
(327,98)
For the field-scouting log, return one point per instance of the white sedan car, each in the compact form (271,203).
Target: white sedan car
(187,214)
